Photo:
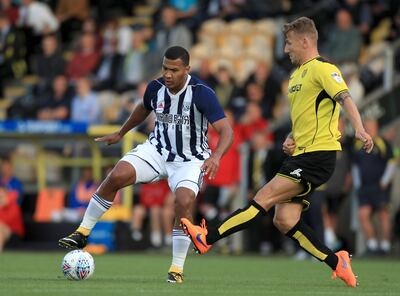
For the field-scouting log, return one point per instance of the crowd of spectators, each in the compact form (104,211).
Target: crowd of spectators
(84,52)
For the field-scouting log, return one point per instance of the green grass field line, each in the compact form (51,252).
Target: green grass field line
(29,273)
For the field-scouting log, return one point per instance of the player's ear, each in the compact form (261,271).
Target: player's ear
(187,68)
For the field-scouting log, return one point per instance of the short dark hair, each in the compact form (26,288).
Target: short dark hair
(177,52)
(302,25)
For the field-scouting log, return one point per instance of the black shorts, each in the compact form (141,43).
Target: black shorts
(373,196)
(311,169)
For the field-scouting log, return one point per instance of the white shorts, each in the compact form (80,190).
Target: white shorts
(150,166)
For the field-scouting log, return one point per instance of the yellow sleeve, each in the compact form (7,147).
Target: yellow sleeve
(331,79)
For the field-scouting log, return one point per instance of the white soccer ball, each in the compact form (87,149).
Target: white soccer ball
(77,265)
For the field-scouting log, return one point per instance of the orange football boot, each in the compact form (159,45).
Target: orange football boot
(343,269)
(197,234)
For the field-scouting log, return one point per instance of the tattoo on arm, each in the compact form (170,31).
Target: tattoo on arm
(341,97)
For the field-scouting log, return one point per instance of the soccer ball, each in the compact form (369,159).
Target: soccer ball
(77,265)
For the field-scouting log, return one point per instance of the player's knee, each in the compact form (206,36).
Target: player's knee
(183,201)
(118,179)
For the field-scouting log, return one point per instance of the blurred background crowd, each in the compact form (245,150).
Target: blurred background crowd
(85,61)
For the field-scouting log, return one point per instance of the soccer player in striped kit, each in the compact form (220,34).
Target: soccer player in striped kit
(177,149)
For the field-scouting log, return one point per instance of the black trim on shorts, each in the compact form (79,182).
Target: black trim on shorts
(147,163)
(185,180)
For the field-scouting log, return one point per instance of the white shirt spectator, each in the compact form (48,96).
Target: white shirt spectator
(39,17)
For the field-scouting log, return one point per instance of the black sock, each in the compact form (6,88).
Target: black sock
(304,236)
(238,220)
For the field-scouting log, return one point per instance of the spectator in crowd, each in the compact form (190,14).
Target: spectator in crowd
(85,105)
(205,74)
(344,35)
(106,74)
(158,200)
(49,63)
(264,77)
(56,104)
(373,176)
(11,222)
(11,11)
(71,14)
(12,53)
(85,59)
(170,32)
(361,14)
(135,63)
(37,16)
(9,180)
(225,85)
(81,192)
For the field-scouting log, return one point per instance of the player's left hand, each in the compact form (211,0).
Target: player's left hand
(364,137)
(210,166)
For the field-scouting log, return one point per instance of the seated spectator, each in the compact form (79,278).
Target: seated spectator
(12,53)
(9,180)
(225,87)
(85,59)
(56,104)
(85,105)
(170,33)
(80,195)
(11,222)
(345,41)
(38,16)
(48,64)
(71,13)
(106,75)
(135,64)
(11,11)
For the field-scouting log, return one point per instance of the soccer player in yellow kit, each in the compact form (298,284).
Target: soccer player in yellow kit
(317,91)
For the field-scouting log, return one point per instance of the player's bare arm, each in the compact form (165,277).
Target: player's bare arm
(345,100)
(138,115)
(289,145)
(224,130)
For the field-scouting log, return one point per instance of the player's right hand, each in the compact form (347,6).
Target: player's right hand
(289,146)
(363,136)
(110,139)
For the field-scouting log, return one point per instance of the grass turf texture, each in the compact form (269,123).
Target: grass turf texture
(24,273)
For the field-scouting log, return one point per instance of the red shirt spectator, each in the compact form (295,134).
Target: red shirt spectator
(10,212)
(84,61)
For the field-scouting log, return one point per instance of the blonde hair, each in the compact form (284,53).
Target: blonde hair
(302,25)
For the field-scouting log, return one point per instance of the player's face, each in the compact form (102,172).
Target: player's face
(174,73)
(294,47)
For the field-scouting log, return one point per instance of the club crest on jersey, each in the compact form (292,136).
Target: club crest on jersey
(186,107)
(337,77)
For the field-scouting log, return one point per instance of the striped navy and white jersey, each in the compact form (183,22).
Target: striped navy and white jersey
(180,132)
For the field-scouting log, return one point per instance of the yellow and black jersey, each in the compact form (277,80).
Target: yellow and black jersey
(314,112)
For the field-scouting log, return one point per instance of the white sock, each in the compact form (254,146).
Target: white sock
(180,247)
(96,208)
(372,244)
(385,245)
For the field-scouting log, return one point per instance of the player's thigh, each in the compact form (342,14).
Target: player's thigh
(278,190)
(147,163)
(185,175)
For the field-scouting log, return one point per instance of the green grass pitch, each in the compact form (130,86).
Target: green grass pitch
(25,273)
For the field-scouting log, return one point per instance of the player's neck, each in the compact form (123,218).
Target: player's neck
(309,56)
